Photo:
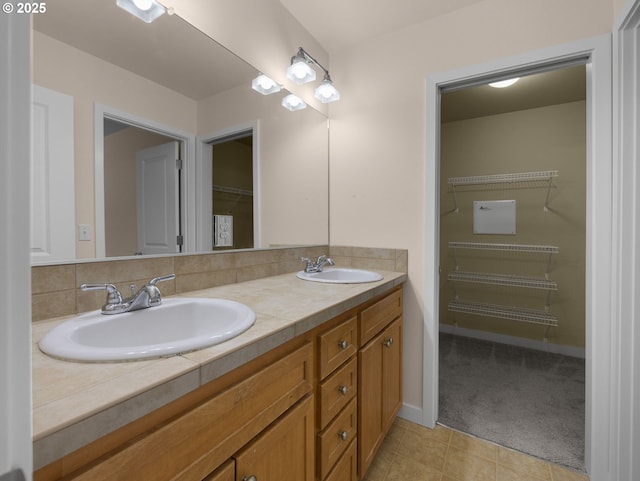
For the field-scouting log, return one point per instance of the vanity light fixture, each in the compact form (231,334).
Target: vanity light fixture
(301,72)
(504,83)
(293,103)
(145,10)
(326,92)
(265,85)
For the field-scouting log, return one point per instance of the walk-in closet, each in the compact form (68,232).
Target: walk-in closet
(512,263)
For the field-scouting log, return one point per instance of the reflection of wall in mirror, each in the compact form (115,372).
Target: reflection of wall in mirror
(92,80)
(293,153)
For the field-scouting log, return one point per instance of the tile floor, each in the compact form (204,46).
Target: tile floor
(413,452)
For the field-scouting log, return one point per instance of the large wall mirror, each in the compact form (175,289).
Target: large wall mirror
(148,139)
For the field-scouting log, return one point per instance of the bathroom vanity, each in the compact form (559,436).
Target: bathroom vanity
(307,394)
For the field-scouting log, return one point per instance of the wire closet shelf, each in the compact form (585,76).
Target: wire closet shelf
(542,317)
(545,176)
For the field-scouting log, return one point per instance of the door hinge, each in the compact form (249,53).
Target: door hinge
(179,240)
(179,164)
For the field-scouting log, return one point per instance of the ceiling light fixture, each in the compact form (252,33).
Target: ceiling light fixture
(265,85)
(293,103)
(504,83)
(300,72)
(145,10)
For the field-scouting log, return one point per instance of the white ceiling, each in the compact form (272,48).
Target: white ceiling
(339,23)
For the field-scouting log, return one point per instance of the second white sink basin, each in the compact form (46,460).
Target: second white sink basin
(341,275)
(178,325)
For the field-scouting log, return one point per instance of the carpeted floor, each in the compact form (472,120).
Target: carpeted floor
(524,399)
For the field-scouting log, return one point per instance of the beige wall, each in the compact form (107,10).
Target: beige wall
(549,138)
(89,80)
(378,127)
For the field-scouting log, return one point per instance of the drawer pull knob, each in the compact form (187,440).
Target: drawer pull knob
(343,390)
(249,478)
(388,342)
(343,435)
(343,344)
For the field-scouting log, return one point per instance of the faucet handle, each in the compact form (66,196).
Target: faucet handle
(113,294)
(155,280)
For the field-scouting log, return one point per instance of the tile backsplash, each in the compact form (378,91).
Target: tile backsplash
(55,289)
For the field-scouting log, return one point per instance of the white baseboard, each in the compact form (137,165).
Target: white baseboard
(411,413)
(514,341)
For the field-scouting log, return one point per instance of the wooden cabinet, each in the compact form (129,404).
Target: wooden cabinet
(192,443)
(379,376)
(313,409)
(226,472)
(360,386)
(284,451)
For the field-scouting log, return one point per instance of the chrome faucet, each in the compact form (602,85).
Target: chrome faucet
(318,265)
(148,296)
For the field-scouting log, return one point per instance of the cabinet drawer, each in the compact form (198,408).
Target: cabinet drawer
(337,390)
(375,317)
(194,444)
(335,439)
(337,345)
(346,469)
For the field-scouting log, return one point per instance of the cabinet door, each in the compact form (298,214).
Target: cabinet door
(370,427)
(285,451)
(391,373)
(379,391)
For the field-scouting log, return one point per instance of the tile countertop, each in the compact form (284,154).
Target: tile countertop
(76,403)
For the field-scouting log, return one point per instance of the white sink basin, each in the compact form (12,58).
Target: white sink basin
(178,325)
(341,275)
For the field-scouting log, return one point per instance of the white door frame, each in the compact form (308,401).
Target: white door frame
(16,446)
(599,262)
(626,239)
(204,182)
(187,196)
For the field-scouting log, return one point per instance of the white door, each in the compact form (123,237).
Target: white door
(52,177)
(158,199)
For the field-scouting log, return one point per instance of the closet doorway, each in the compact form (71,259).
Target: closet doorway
(512,258)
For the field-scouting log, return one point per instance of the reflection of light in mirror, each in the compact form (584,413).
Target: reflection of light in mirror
(265,85)
(145,10)
(143,4)
(293,103)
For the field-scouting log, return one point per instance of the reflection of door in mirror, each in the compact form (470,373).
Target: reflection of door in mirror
(131,191)
(232,196)
(52,177)
(158,199)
